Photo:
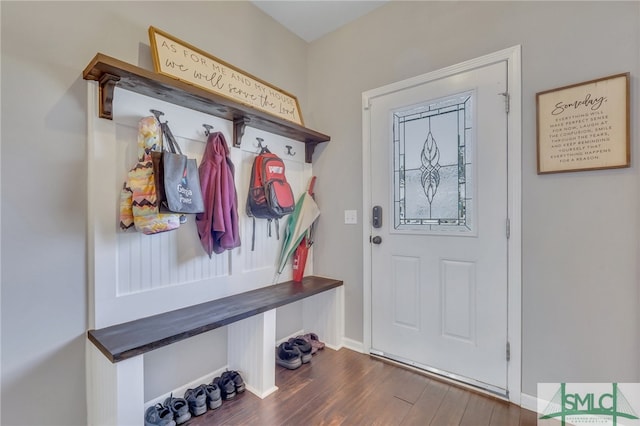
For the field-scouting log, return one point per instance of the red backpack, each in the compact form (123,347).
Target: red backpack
(270,196)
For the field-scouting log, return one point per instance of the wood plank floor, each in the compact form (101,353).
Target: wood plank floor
(348,388)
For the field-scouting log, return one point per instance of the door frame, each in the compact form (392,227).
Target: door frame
(512,56)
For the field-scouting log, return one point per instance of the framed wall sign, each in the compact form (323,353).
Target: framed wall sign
(584,126)
(182,61)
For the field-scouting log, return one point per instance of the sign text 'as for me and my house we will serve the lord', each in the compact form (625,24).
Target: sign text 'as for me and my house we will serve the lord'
(182,61)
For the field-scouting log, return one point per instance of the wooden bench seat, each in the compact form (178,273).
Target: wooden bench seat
(133,338)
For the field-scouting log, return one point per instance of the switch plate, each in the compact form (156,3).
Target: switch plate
(350,217)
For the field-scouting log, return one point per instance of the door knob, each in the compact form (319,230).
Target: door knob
(377,239)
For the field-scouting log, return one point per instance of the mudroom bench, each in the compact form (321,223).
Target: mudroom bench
(118,350)
(139,286)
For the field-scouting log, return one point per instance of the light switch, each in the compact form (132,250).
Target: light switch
(350,217)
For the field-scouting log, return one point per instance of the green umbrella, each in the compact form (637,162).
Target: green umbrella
(298,223)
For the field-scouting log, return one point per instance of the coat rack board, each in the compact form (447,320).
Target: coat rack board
(110,72)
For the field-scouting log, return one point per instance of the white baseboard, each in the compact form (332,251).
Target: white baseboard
(262,395)
(529,402)
(179,392)
(208,378)
(354,345)
(297,333)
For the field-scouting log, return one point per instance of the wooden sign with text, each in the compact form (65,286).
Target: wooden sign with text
(584,126)
(180,60)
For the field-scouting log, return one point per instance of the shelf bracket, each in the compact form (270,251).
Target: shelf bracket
(309,147)
(107,85)
(239,125)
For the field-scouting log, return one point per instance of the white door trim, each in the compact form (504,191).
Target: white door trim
(512,56)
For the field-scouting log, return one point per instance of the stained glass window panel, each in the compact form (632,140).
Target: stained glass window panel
(432,160)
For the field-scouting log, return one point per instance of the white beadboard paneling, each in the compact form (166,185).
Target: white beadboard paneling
(251,351)
(323,315)
(139,275)
(116,390)
(147,262)
(135,276)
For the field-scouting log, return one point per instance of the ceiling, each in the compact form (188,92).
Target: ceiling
(311,19)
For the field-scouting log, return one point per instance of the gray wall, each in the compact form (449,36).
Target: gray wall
(45,47)
(580,230)
(580,237)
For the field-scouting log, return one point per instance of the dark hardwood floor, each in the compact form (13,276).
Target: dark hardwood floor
(348,388)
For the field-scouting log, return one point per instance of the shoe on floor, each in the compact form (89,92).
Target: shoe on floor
(180,409)
(226,385)
(237,380)
(158,415)
(304,347)
(197,399)
(307,339)
(214,398)
(315,342)
(288,356)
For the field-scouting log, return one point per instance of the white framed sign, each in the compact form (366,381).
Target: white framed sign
(182,61)
(584,126)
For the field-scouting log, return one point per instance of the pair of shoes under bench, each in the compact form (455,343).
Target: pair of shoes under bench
(226,385)
(197,399)
(214,397)
(315,342)
(180,409)
(236,378)
(158,415)
(288,356)
(304,347)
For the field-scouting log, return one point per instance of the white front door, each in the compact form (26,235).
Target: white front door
(439,264)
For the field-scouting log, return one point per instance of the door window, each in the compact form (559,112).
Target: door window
(433,183)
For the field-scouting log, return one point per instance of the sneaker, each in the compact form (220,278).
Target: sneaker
(179,407)
(237,380)
(304,347)
(226,385)
(288,356)
(214,399)
(197,399)
(158,415)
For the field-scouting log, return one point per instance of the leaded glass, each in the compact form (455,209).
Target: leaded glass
(432,166)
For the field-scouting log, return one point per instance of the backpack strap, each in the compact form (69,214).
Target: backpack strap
(253,235)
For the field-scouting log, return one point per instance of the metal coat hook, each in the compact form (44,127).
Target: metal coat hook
(207,129)
(260,146)
(157,113)
(289,148)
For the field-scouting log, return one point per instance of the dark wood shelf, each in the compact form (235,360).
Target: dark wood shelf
(133,338)
(110,72)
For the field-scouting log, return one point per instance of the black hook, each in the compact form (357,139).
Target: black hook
(157,113)
(207,129)
(261,147)
(289,148)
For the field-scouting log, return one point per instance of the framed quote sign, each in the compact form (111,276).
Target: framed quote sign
(182,61)
(584,126)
